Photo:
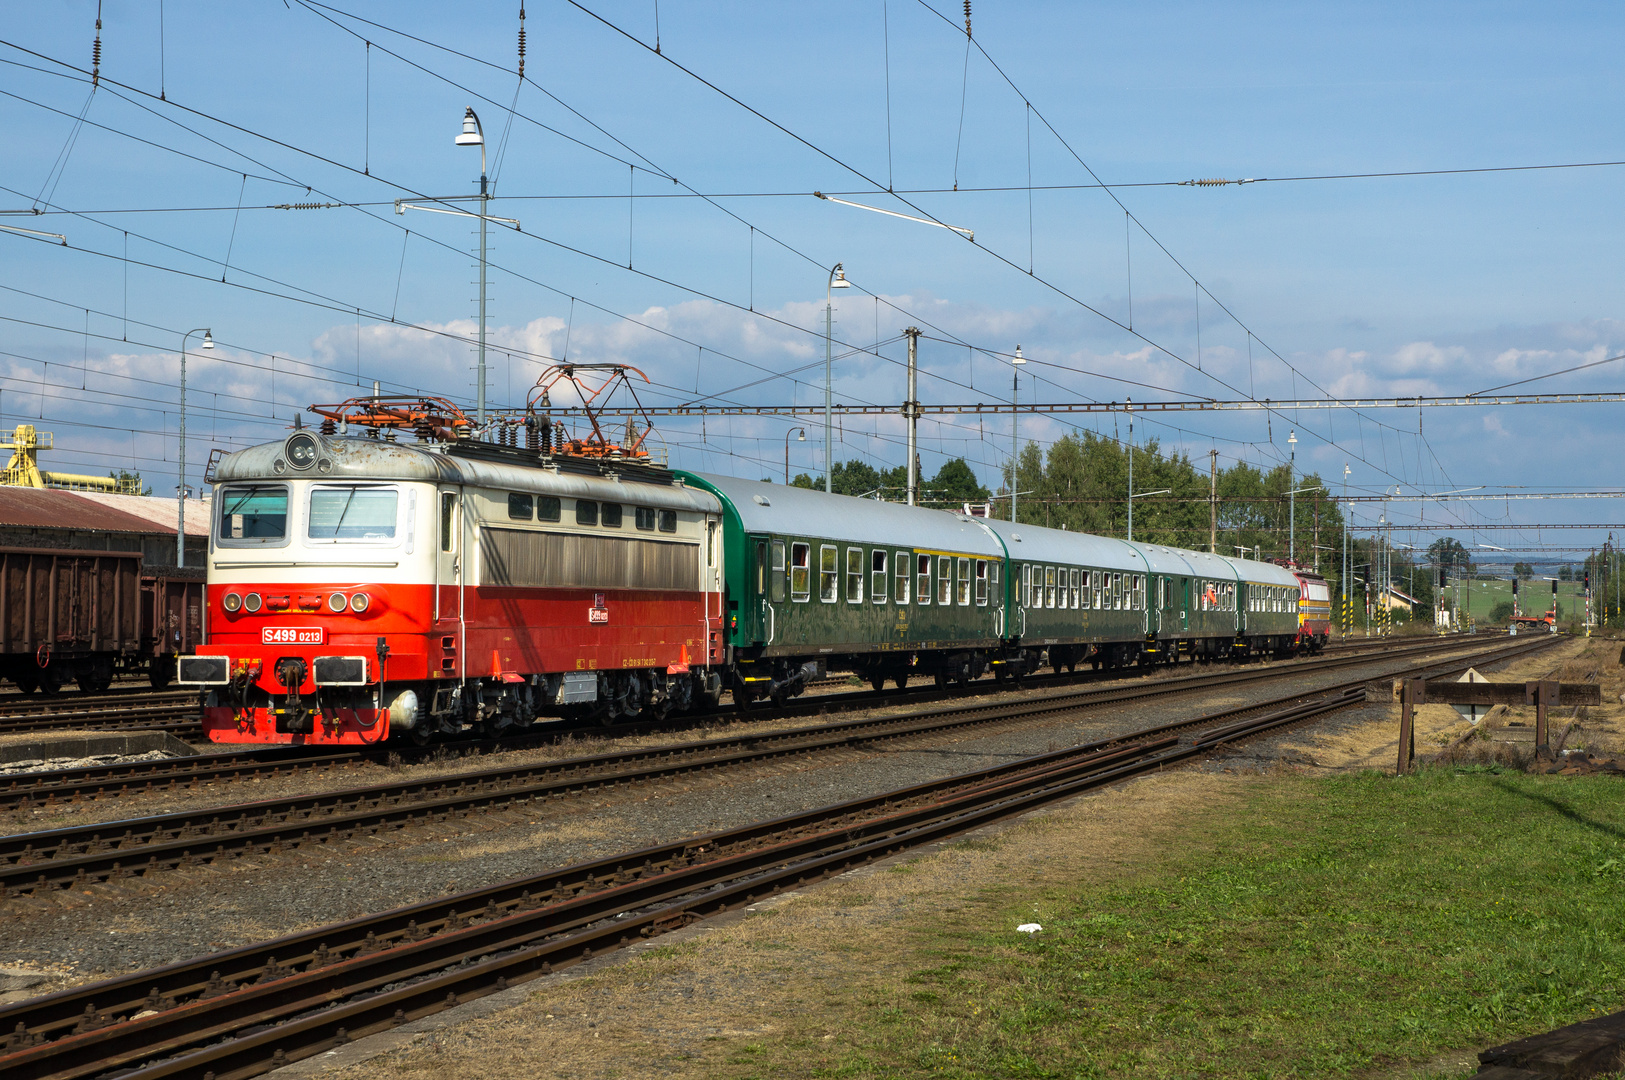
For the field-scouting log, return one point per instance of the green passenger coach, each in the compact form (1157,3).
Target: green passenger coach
(813,580)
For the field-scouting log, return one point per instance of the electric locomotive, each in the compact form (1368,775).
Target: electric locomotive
(359,587)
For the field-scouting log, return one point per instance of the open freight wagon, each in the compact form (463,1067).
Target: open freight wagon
(86,616)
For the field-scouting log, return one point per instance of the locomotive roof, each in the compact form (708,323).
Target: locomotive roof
(793,511)
(354,458)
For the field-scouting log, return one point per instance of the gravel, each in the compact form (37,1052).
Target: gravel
(113,928)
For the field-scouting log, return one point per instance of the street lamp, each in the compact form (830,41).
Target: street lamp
(1347,626)
(801,436)
(1015,446)
(472,135)
(837,280)
(1292,501)
(180,487)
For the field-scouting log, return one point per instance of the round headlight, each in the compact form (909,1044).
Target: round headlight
(301,449)
(252,602)
(335,603)
(360,602)
(231,601)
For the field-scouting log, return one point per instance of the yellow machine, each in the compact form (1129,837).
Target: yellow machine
(23,470)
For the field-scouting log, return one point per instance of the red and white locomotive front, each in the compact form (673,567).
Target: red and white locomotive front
(359,587)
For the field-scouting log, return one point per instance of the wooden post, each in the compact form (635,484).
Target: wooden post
(1543,693)
(1412,692)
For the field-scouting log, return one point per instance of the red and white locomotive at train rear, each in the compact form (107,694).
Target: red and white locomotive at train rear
(358,586)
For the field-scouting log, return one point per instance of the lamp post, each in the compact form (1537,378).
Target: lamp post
(1129,403)
(180,486)
(1292,500)
(801,436)
(837,280)
(473,135)
(1015,444)
(1347,626)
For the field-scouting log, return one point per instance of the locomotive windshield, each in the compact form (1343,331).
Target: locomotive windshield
(352,512)
(254,512)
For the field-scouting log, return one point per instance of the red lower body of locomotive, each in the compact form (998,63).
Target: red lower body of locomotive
(306,674)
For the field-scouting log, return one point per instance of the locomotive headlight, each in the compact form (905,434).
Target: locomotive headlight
(301,449)
(360,602)
(252,602)
(231,602)
(335,603)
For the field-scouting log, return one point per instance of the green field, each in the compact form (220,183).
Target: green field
(1535,597)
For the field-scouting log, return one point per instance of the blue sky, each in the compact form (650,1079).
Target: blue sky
(1399,285)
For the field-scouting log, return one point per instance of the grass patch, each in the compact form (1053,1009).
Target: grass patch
(1329,928)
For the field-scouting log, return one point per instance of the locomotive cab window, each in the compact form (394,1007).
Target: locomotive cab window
(352,513)
(586,512)
(800,572)
(253,513)
(547,508)
(645,518)
(448,519)
(611,515)
(668,521)
(878,574)
(521,507)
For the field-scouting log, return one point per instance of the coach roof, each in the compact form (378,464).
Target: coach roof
(792,511)
(354,458)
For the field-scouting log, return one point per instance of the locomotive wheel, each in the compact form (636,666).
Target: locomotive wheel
(420,735)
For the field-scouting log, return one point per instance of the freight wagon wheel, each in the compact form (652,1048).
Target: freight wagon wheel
(26,681)
(901,678)
(942,679)
(50,681)
(161,672)
(93,682)
(878,681)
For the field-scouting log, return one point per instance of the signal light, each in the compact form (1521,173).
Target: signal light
(231,602)
(360,602)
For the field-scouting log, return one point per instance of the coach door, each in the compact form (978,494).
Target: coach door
(1184,604)
(757,615)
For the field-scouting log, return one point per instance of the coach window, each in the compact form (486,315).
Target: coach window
(1075,604)
(1117,592)
(668,521)
(1060,588)
(981,583)
(922,580)
(828,575)
(1049,586)
(521,507)
(800,572)
(645,516)
(854,575)
(964,582)
(253,513)
(1025,584)
(878,574)
(612,515)
(547,508)
(586,512)
(945,580)
(777,583)
(1139,593)
(903,570)
(761,568)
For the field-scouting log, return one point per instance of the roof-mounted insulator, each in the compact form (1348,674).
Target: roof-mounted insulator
(96,51)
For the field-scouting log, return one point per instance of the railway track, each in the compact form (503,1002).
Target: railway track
(40,862)
(22,791)
(242,1012)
